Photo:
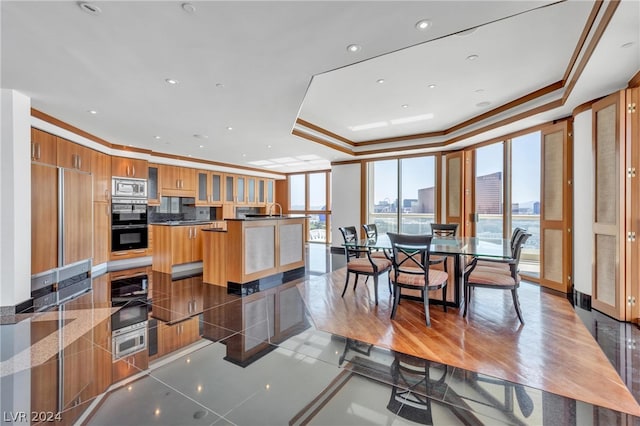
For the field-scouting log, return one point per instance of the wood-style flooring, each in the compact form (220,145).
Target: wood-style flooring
(553,351)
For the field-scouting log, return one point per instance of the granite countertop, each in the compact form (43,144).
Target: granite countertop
(270,217)
(183,222)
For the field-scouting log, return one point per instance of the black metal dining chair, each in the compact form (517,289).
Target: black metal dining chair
(496,278)
(442,230)
(411,270)
(360,261)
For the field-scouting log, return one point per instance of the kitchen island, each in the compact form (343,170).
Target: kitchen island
(254,252)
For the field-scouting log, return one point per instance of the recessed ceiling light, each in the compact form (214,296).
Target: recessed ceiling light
(472,57)
(244,155)
(201,146)
(432,86)
(423,24)
(189,156)
(157,137)
(229,128)
(188,7)
(380,80)
(199,136)
(219,85)
(405,106)
(353,48)
(171,81)
(92,111)
(627,45)
(483,104)
(269,146)
(89,8)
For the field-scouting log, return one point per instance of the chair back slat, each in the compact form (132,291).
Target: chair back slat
(371,231)
(350,235)
(411,253)
(444,229)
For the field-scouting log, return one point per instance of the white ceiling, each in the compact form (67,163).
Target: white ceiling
(251,66)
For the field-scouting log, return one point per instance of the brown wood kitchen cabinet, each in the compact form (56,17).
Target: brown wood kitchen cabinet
(101,171)
(43,147)
(177,181)
(44,218)
(153,185)
(210,189)
(129,167)
(73,156)
(175,245)
(101,232)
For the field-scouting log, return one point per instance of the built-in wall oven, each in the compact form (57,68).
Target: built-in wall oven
(129,322)
(129,224)
(129,214)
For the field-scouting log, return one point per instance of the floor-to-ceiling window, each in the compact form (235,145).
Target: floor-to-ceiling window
(489,194)
(402,194)
(309,194)
(525,197)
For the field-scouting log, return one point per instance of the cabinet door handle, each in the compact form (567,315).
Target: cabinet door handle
(106,210)
(79,162)
(38,154)
(33,151)
(106,194)
(133,168)
(195,233)
(139,251)
(178,183)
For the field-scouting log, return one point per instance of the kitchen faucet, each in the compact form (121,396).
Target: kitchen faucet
(271,209)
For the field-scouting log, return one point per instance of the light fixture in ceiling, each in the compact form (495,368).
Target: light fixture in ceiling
(244,155)
(412,119)
(472,57)
(229,128)
(157,137)
(200,136)
(201,146)
(171,81)
(368,126)
(423,25)
(92,112)
(269,146)
(404,106)
(219,85)
(483,104)
(90,8)
(432,86)
(627,45)
(479,90)
(353,48)
(380,80)
(188,7)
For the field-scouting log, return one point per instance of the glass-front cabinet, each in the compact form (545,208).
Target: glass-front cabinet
(210,188)
(229,189)
(270,191)
(153,190)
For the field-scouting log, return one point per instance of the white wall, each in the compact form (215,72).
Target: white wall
(15,198)
(345,199)
(583,202)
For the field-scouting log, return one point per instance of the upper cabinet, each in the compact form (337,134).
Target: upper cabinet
(43,147)
(153,185)
(210,188)
(101,170)
(129,167)
(177,181)
(271,191)
(73,156)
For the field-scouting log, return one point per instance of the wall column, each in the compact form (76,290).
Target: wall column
(15,200)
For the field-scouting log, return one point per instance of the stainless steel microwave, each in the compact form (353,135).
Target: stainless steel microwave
(129,188)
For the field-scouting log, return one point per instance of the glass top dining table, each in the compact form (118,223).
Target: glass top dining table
(465,246)
(459,248)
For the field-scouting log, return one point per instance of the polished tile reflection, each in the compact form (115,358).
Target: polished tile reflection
(219,358)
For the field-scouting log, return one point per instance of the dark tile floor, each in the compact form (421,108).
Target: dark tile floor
(275,368)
